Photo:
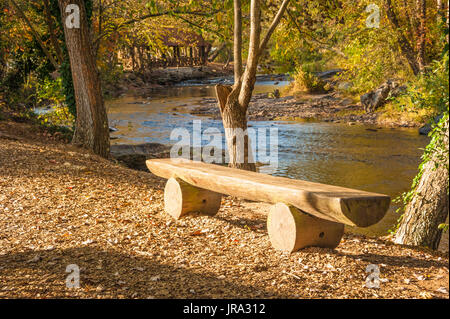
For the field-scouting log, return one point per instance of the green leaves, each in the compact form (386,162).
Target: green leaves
(152,6)
(443,227)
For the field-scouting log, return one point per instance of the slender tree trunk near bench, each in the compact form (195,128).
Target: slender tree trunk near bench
(234,118)
(234,101)
(428,208)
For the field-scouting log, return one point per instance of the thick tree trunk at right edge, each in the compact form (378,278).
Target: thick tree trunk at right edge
(92,129)
(428,208)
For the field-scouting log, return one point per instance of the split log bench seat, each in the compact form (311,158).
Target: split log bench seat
(304,213)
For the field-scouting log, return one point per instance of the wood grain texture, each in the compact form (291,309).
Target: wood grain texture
(337,204)
(181,198)
(290,229)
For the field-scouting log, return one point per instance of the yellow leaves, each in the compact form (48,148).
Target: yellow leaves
(126,204)
(219,17)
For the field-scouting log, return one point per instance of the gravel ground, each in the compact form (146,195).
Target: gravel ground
(61,206)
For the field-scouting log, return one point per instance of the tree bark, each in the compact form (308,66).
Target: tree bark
(91,130)
(421,34)
(234,119)
(429,206)
(405,46)
(234,101)
(237,45)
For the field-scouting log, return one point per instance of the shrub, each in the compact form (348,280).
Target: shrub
(428,93)
(305,80)
(50,92)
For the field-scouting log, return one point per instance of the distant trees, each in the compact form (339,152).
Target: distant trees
(234,101)
(412,44)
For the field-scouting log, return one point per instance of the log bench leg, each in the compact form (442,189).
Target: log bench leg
(290,229)
(181,198)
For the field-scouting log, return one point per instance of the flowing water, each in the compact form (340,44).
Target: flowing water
(381,160)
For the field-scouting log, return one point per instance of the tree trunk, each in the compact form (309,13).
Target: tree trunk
(249,76)
(405,46)
(234,118)
(429,206)
(92,130)
(234,101)
(227,62)
(133,58)
(421,34)
(237,45)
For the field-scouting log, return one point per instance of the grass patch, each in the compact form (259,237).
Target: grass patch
(392,114)
(350,112)
(306,81)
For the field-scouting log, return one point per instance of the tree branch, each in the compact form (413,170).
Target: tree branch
(249,76)
(321,44)
(51,29)
(153,15)
(201,27)
(35,34)
(274,25)
(237,43)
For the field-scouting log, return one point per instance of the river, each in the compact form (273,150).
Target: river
(381,160)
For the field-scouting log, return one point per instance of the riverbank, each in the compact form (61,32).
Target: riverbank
(61,205)
(330,107)
(142,84)
(302,107)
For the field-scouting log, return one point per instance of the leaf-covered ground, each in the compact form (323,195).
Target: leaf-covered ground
(61,206)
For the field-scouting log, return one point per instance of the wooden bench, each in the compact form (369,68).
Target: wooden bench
(304,213)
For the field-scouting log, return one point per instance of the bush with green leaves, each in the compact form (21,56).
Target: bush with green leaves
(307,81)
(429,92)
(50,93)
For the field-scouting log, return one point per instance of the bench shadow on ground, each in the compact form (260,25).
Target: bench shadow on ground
(253,224)
(27,274)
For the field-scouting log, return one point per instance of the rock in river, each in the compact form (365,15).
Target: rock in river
(426,129)
(374,99)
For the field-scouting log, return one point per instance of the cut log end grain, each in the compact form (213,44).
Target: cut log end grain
(181,198)
(290,229)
